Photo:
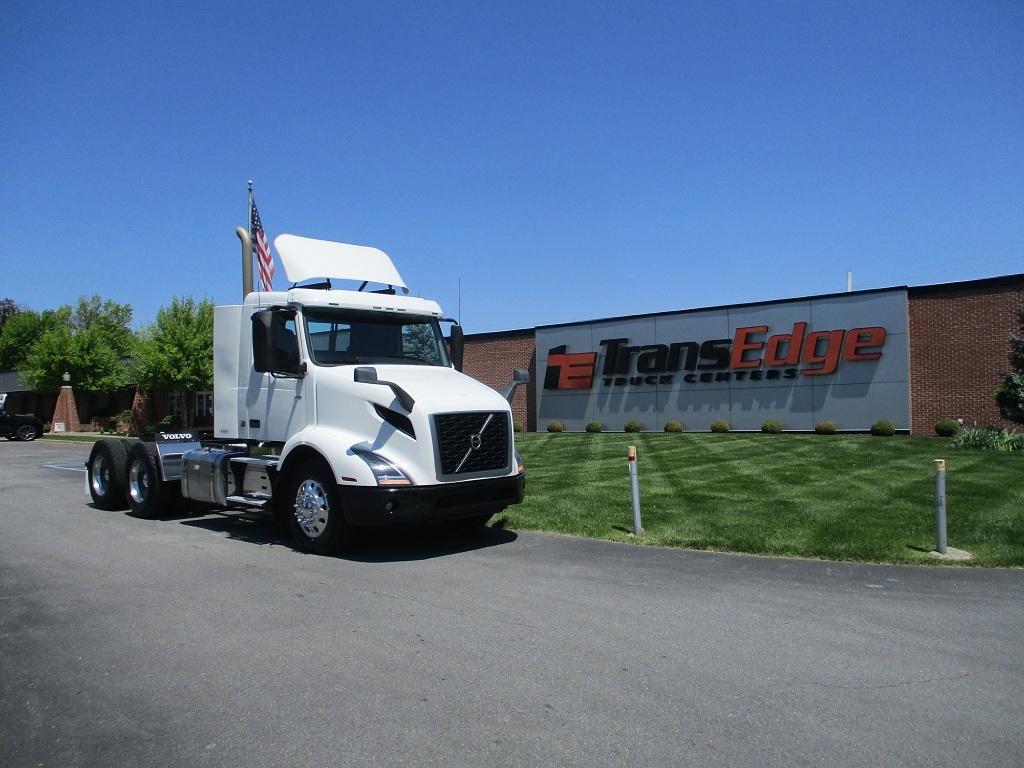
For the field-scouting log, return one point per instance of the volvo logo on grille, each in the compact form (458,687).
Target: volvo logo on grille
(476,441)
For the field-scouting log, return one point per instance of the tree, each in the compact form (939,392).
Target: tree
(106,320)
(1010,392)
(21,332)
(87,341)
(7,310)
(176,351)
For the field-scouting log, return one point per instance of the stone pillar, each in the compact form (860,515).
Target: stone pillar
(65,412)
(141,408)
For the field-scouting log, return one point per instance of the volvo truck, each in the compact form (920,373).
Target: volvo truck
(338,403)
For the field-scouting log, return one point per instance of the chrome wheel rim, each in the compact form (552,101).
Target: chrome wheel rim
(138,482)
(100,475)
(311,508)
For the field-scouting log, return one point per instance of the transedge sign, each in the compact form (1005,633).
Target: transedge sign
(841,358)
(741,358)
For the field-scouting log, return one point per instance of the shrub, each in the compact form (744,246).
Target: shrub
(674,426)
(633,426)
(989,439)
(883,428)
(518,426)
(947,427)
(555,426)
(772,427)
(720,425)
(594,426)
(980,439)
(825,428)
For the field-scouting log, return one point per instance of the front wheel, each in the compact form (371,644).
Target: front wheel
(27,432)
(148,496)
(314,510)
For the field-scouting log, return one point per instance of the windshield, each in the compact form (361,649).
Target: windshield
(346,337)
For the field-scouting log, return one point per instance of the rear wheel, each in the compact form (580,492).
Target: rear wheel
(314,510)
(147,495)
(27,432)
(106,468)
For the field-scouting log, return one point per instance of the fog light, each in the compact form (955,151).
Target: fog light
(389,507)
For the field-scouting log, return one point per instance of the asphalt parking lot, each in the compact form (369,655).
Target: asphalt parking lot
(210,641)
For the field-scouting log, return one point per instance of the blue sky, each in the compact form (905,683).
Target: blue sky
(562,160)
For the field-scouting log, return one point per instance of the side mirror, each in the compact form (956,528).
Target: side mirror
(365,375)
(457,344)
(368,375)
(519,376)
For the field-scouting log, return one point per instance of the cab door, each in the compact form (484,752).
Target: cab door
(277,385)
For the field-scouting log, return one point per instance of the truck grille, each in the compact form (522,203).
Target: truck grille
(471,443)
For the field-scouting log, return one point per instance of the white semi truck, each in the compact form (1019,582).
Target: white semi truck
(333,408)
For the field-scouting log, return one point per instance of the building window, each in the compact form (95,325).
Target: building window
(202,407)
(204,404)
(176,407)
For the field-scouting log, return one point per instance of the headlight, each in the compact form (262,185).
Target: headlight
(384,472)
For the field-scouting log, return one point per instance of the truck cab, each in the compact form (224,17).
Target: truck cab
(354,398)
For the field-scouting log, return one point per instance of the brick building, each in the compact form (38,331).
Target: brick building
(945,348)
(959,347)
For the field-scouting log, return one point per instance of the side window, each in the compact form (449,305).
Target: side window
(275,344)
(286,343)
(329,341)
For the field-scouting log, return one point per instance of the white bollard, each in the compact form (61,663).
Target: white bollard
(634,483)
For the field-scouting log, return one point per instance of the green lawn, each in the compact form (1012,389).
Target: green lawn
(838,497)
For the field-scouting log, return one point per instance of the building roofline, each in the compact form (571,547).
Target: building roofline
(1002,281)
(495,335)
(741,305)
(981,283)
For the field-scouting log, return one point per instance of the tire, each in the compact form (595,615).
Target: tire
(314,510)
(147,495)
(107,472)
(27,432)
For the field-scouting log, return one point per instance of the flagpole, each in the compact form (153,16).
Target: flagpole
(252,235)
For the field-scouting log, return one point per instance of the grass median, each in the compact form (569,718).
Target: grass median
(840,497)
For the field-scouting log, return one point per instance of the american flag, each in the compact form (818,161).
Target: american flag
(264,258)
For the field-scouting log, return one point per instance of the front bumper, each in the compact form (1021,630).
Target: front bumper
(447,501)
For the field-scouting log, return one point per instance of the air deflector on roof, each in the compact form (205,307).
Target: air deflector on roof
(304,258)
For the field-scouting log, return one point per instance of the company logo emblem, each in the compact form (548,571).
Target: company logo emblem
(475,441)
(569,370)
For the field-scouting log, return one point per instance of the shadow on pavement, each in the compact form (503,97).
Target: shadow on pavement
(383,544)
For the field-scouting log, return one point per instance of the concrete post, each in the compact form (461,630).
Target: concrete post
(940,506)
(634,482)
